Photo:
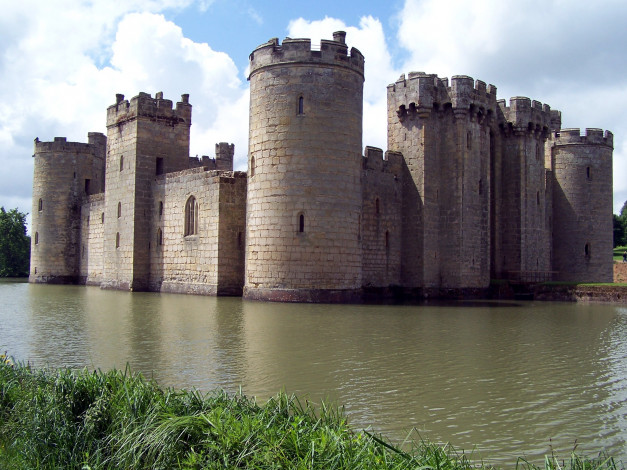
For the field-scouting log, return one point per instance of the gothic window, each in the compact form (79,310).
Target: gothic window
(119,210)
(191,216)
(40,205)
(301,103)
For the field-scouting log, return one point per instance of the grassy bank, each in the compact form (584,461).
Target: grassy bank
(110,420)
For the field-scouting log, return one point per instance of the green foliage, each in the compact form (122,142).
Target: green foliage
(109,420)
(14,244)
(620,227)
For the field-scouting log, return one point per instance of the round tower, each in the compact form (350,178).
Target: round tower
(304,166)
(64,174)
(582,205)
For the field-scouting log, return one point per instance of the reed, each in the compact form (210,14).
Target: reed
(117,419)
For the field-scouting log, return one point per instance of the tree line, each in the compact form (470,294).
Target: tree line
(14,244)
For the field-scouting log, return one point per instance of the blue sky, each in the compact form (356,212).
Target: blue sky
(63,61)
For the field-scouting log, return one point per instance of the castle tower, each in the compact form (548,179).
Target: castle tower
(146,137)
(582,205)
(444,134)
(65,173)
(523,198)
(304,195)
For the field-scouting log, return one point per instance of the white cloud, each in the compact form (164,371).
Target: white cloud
(569,54)
(61,64)
(369,38)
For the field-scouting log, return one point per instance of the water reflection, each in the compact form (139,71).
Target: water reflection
(505,379)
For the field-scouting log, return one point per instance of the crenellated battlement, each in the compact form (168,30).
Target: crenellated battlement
(526,114)
(591,136)
(144,105)
(61,145)
(374,159)
(332,52)
(419,93)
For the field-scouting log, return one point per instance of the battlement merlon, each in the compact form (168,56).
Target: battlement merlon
(94,146)
(144,105)
(529,115)
(292,51)
(374,159)
(421,92)
(591,136)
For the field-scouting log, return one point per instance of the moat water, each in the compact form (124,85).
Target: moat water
(504,379)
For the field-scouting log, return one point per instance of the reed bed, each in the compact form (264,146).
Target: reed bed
(63,419)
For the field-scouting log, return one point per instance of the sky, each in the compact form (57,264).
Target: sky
(63,61)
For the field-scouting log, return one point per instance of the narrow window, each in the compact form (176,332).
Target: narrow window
(102,218)
(36,238)
(159,237)
(480,187)
(87,185)
(586,250)
(588,172)
(301,105)
(191,216)
(119,210)
(252,166)
(117,240)
(301,223)
(40,205)
(538,197)
(159,169)
(239,240)
(121,162)
(160,209)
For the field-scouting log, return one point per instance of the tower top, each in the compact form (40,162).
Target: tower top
(144,105)
(294,51)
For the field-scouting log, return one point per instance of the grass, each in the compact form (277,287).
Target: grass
(107,420)
(618,253)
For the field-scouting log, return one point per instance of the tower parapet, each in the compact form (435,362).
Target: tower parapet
(145,105)
(292,51)
(526,114)
(592,136)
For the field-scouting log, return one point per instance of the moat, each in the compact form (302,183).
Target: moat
(508,379)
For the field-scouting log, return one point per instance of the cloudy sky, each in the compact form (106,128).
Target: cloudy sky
(63,61)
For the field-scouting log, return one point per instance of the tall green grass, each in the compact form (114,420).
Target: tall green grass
(111,420)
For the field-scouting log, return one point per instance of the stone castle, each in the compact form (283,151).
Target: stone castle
(470,189)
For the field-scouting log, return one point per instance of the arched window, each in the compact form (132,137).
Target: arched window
(119,210)
(191,216)
(40,205)
(121,162)
(252,166)
(36,238)
(117,240)
(301,223)
(301,104)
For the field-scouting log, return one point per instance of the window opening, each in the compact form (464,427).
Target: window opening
(102,218)
(159,168)
(252,166)
(40,205)
(301,103)
(117,240)
(538,197)
(121,162)
(191,216)
(87,185)
(36,238)
(159,237)
(160,209)
(119,210)
(586,250)
(588,172)
(301,223)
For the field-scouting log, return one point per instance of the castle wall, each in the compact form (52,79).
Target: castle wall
(582,205)
(92,235)
(304,194)
(381,219)
(211,260)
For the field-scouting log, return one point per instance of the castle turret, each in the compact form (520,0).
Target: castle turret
(146,137)
(304,197)
(582,204)
(65,173)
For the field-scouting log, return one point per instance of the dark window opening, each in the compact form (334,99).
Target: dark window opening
(40,205)
(480,187)
(588,172)
(252,166)
(102,218)
(117,240)
(301,223)
(121,162)
(160,209)
(191,216)
(36,238)
(87,185)
(159,237)
(586,250)
(119,210)
(159,169)
(301,103)
(538,197)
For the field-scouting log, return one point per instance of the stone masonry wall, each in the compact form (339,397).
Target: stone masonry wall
(381,220)
(92,233)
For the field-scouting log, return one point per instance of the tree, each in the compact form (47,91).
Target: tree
(14,244)
(620,227)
